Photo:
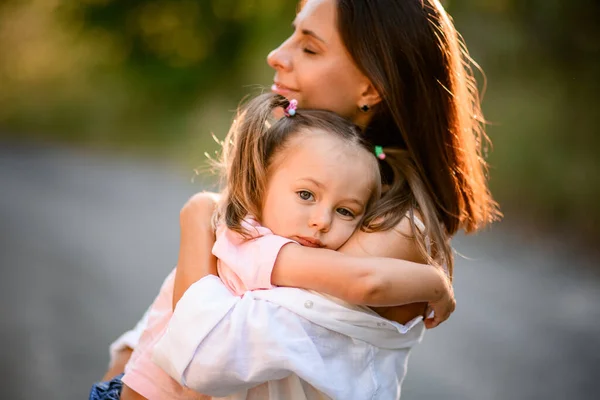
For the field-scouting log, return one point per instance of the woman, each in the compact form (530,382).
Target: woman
(397,69)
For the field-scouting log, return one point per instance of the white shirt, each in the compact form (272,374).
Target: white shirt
(283,343)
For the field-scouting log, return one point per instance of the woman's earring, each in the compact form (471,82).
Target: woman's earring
(365,108)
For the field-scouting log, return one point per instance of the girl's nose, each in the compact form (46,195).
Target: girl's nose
(321,220)
(280,58)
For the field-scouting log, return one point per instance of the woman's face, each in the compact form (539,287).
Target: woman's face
(314,67)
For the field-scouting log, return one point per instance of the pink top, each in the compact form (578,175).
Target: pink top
(247,264)
(243,265)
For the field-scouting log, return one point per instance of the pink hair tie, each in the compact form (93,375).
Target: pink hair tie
(290,110)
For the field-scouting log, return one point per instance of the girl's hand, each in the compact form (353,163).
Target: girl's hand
(441,308)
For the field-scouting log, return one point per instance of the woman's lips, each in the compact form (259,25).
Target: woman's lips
(282,89)
(309,242)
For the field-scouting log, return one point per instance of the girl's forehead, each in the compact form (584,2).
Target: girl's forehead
(318,146)
(325,157)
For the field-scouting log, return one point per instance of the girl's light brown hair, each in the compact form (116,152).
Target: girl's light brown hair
(253,140)
(429,121)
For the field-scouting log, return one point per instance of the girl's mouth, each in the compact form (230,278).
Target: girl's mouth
(309,242)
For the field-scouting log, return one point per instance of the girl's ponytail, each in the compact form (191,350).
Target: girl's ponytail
(244,161)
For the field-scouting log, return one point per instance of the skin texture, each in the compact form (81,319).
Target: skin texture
(318,190)
(118,364)
(313,66)
(196,241)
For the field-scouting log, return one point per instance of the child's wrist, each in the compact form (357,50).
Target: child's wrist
(441,286)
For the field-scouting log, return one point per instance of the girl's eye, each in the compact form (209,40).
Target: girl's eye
(308,51)
(345,212)
(305,195)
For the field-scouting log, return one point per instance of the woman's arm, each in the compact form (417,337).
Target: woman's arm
(197,239)
(122,348)
(117,365)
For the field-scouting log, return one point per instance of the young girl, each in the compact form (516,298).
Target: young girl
(310,179)
(400,71)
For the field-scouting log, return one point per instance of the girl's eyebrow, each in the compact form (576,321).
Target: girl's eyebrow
(308,32)
(313,181)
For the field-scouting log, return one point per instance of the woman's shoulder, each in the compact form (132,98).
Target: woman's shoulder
(398,242)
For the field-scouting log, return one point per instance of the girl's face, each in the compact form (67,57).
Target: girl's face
(313,66)
(318,189)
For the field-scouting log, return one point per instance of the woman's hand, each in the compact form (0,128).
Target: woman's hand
(197,239)
(118,364)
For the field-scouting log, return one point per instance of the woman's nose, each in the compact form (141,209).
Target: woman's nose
(280,58)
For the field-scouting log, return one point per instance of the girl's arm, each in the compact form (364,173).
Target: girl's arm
(375,281)
(196,243)
(401,245)
(353,274)
(358,277)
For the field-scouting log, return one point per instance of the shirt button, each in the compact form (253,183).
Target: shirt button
(308,304)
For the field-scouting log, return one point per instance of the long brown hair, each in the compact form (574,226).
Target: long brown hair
(256,135)
(429,121)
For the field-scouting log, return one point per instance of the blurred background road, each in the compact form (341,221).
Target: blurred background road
(106,114)
(87,239)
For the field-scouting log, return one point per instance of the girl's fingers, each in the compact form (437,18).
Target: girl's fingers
(430,323)
(439,315)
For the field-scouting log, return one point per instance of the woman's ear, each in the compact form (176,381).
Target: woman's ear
(369,96)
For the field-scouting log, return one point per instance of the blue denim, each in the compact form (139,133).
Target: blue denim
(110,390)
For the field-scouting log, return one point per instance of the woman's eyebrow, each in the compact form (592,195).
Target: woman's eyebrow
(309,33)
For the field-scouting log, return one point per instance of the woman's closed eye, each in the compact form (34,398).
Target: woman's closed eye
(309,51)
(305,195)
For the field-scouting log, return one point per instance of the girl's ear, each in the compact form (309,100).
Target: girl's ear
(369,96)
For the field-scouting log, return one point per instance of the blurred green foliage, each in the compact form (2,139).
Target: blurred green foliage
(134,73)
(160,75)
